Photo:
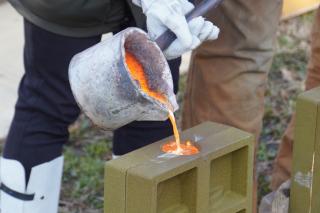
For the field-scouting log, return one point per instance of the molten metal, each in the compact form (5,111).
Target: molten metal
(137,73)
(185,148)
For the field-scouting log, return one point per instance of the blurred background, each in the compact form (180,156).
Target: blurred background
(89,147)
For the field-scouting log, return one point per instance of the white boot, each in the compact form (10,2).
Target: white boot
(41,195)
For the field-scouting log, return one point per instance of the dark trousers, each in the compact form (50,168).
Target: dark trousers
(46,107)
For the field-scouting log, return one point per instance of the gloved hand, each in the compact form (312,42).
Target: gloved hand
(164,14)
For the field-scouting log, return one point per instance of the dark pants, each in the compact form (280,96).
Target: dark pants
(46,106)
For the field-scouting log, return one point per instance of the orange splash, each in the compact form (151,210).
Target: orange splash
(186,148)
(137,73)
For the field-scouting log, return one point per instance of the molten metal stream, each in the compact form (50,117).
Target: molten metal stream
(137,73)
(175,132)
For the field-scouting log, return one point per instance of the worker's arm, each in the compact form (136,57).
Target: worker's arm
(170,14)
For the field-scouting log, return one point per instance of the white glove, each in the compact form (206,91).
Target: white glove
(164,14)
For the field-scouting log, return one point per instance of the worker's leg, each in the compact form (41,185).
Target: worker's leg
(140,133)
(227,77)
(282,165)
(44,109)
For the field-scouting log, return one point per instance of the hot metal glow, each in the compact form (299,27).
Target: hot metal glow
(185,148)
(137,73)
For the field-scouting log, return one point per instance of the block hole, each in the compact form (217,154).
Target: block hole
(178,194)
(228,182)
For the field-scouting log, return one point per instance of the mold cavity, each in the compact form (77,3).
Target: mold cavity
(178,194)
(228,181)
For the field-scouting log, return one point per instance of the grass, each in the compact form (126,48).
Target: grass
(85,156)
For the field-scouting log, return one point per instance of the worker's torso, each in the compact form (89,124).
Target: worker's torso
(77,18)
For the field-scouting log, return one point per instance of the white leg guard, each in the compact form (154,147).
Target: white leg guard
(41,195)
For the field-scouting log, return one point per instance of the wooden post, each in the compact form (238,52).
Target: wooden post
(305,183)
(217,180)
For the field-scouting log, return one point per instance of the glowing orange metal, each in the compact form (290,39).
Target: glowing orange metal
(137,73)
(185,148)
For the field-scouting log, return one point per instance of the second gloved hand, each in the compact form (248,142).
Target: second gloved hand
(170,14)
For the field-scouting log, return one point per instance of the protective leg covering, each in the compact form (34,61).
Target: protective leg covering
(39,195)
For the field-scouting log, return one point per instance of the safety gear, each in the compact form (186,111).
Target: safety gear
(39,195)
(170,14)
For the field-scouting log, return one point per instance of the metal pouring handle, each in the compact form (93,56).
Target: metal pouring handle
(166,38)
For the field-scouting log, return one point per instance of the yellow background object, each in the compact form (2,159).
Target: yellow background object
(296,7)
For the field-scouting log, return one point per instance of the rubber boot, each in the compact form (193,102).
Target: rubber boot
(39,195)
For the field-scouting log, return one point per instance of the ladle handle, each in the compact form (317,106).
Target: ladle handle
(166,38)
